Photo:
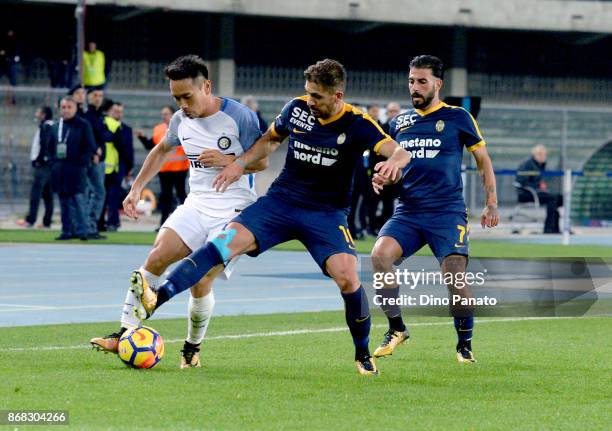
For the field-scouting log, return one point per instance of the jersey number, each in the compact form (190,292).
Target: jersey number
(463,230)
(347,237)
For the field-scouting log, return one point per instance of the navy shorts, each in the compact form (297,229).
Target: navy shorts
(446,232)
(273,221)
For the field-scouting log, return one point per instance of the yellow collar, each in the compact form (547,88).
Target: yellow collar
(431,109)
(333,118)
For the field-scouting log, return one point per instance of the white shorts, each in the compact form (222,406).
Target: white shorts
(196,228)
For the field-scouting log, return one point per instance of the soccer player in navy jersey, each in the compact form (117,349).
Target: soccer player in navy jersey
(431,209)
(308,201)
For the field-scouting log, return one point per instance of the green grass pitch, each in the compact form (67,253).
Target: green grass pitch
(531,375)
(478,248)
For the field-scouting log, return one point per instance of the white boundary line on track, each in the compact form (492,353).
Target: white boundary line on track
(301,331)
(25,308)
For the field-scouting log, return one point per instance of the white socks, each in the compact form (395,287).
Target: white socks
(128,317)
(200,312)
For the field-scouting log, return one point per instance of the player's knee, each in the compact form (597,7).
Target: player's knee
(382,259)
(454,264)
(202,288)
(157,260)
(347,280)
(239,241)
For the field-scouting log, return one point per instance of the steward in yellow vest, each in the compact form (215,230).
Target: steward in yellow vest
(94,67)
(111,142)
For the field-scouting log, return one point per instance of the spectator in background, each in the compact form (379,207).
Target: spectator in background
(41,154)
(109,219)
(537,164)
(387,195)
(94,67)
(392,110)
(173,173)
(79,95)
(252,104)
(9,56)
(359,198)
(74,146)
(96,192)
(373,111)
(362,197)
(119,157)
(61,65)
(126,163)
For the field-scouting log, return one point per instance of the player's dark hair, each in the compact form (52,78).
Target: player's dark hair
(187,66)
(429,62)
(328,73)
(170,107)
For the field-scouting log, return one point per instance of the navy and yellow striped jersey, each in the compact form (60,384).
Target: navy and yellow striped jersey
(322,154)
(435,138)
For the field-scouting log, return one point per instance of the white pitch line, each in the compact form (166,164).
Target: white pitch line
(301,332)
(42,307)
(101,306)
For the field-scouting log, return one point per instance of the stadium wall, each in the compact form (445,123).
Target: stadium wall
(549,15)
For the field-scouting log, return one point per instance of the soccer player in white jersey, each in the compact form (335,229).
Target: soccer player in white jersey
(213,131)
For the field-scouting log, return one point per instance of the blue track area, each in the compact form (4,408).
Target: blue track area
(45,284)
(48,283)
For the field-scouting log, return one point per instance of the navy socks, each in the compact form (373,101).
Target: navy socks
(357,315)
(189,271)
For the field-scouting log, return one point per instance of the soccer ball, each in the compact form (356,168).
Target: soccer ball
(141,347)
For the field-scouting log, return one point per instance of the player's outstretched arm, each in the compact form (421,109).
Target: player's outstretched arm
(252,159)
(490,215)
(150,168)
(211,158)
(390,170)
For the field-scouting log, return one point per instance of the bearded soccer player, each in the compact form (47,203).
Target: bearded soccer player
(308,201)
(431,209)
(213,131)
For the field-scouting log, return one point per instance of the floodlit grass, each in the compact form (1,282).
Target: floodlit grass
(478,248)
(531,375)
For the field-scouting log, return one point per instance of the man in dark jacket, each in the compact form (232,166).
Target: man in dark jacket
(79,95)
(530,175)
(40,155)
(252,104)
(74,147)
(387,195)
(96,192)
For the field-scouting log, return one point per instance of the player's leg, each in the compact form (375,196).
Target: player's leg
(328,240)
(463,315)
(399,237)
(167,249)
(385,253)
(200,309)
(259,227)
(448,239)
(201,298)
(342,267)
(233,241)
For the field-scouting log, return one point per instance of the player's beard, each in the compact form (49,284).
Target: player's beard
(426,100)
(317,113)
